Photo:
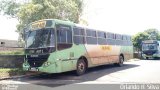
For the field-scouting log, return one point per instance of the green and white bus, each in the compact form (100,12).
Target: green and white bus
(55,46)
(150,49)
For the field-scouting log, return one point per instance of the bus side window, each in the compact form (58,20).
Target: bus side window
(110,38)
(78,36)
(101,38)
(91,37)
(64,36)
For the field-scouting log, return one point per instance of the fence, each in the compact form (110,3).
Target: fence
(11,61)
(137,55)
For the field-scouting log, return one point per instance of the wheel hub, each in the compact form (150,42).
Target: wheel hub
(81,67)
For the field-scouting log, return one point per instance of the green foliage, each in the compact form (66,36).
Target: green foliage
(153,34)
(7,72)
(28,12)
(17,52)
(149,34)
(138,38)
(9,7)
(8,69)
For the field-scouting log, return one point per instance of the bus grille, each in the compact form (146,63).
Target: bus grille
(37,61)
(149,52)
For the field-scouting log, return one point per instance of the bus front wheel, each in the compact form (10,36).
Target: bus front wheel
(81,67)
(147,58)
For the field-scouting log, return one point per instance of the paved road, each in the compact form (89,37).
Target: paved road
(142,71)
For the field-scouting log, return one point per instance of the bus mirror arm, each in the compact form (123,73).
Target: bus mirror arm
(23,33)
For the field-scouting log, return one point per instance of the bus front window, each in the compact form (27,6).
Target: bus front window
(40,38)
(149,47)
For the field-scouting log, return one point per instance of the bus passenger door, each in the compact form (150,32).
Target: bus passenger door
(64,46)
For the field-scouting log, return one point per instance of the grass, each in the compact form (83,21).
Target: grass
(17,52)
(134,59)
(8,72)
(12,70)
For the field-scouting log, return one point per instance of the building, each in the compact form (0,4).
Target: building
(9,45)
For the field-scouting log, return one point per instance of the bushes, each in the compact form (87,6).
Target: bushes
(11,60)
(8,72)
(14,52)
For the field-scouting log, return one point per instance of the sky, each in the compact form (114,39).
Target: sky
(118,16)
(123,16)
(8,28)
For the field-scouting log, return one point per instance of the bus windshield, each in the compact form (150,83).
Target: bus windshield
(149,47)
(41,38)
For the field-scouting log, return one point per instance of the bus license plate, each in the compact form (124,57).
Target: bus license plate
(33,69)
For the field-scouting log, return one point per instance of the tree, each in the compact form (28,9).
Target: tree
(9,7)
(32,10)
(153,34)
(138,38)
(149,34)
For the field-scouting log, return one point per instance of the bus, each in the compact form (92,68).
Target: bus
(55,46)
(150,49)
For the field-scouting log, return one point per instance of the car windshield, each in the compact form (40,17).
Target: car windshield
(41,38)
(149,47)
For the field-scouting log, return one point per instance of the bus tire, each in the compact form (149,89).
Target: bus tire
(81,67)
(121,60)
(156,58)
(147,58)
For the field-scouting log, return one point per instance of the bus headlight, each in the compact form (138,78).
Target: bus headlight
(47,63)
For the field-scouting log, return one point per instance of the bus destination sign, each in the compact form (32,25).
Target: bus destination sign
(38,24)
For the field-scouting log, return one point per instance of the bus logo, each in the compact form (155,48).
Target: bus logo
(34,55)
(106,48)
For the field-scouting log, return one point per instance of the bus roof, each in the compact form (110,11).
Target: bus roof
(57,21)
(62,21)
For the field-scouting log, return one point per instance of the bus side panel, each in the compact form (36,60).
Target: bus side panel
(68,57)
(102,54)
(127,51)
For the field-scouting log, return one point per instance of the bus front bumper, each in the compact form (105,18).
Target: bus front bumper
(52,68)
(151,56)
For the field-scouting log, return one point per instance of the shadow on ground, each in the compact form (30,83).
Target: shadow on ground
(54,80)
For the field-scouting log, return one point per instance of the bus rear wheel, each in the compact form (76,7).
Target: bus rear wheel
(81,67)
(121,60)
